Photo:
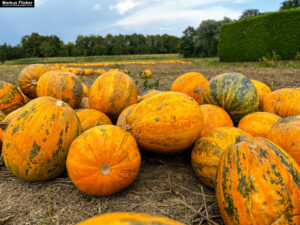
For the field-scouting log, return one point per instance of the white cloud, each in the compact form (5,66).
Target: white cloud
(97,6)
(124,6)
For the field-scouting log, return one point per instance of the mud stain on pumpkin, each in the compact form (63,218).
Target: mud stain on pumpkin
(35,150)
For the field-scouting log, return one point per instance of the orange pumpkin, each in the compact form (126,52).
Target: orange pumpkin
(2,115)
(29,77)
(286,134)
(148,94)
(37,139)
(127,218)
(108,165)
(191,84)
(112,92)
(10,97)
(122,117)
(262,90)
(168,122)
(214,117)
(208,149)
(85,90)
(258,183)
(258,124)
(283,102)
(7,119)
(61,85)
(88,72)
(85,103)
(91,117)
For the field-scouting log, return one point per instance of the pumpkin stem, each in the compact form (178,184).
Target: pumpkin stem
(127,127)
(3,125)
(105,169)
(34,82)
(59,103)
(240,138)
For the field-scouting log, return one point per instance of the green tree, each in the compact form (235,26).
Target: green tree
(290,4)
(186,43)
(249,13)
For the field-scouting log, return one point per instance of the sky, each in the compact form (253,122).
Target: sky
(69,18)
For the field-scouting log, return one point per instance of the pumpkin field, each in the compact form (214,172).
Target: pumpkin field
(170,181)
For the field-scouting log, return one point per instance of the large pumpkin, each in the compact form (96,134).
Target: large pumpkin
(258,183)
(37,139)
(128,218)
(61,85)
(214,117)
(262,90)
(103,160)
(112,92)
(286,134)
(10,97)
(233,92)
(283,102)
(91,117)
(29,77)
(148,94)
(7,119)
(121,122)
(168,122)
(191,84)
(208,149)
(85,103)
(258,124)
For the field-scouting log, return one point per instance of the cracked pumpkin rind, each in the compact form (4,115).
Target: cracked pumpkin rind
(91,117)
(103,160)
(168,122)
(37,139)
(262,90)
(128,218)
(258,183)
(10,97)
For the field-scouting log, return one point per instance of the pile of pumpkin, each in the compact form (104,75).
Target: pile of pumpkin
(254,167)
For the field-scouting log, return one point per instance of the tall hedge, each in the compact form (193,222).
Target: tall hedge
(251,38)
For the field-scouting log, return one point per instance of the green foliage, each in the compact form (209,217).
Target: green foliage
(150,85)
(271,60)
(290,4)
(297,56)
(252,38)
(249,13)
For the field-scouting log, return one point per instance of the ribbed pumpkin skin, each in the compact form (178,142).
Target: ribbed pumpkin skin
(112,92)
(283,102)
(29,77)
(126,218)
(286,134)
(103,160)
(61,85)
(258,183)
(85,90)
(166,123)
(85,103)
(233,92)
(121,122)
(191,84)
(258,124)
(10,97)
(38,138)
(208,149)
(214,117)
(262,90)
(91,117)
(149,93)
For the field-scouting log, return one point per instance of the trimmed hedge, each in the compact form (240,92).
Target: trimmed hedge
(251,38)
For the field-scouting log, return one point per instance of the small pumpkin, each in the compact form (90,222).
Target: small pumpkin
(85,90)
(258,183)
(233,92)
(88,72)
(85,103)
(208,149)
(283,102)
(191,84)
(286,134)
(149,93)
(262,90)
(61,85)
(37,139)
(128,218)
(10,97)
(91,117)
(29,77)
(214,117)
(146,74)
(108,165)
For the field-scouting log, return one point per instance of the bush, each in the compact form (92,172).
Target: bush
(252,38)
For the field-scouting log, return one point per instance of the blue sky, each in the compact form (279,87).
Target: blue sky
(69,18)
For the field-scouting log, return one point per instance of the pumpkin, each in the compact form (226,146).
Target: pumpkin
(85,90)
(126,71)
(286,134)
(85,103)
(233,92)
(166,123)
(258,183)
(146,74)
(208,149)
(91,117)
(10,97)
(2,115)
(214,117)
(262,90)
(112,92)
(37,139)
(88,72)
(7,119)
(283,102)
(128,218)
(61,85)
(191,84)
(149,93)
(29,77)
(108,165)
(121,122)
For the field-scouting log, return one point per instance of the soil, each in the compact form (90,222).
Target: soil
(166,184)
